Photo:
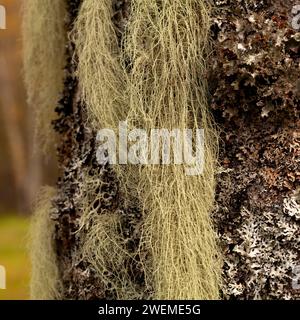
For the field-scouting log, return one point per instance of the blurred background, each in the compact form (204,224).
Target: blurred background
(21,165)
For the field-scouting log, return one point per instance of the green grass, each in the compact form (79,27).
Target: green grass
(14,257)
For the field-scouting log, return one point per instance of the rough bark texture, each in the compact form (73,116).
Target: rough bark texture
(255,70)
(254,95)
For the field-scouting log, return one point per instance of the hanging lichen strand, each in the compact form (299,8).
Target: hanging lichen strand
(45,276)
(167,43)
(44,38)
(157,80)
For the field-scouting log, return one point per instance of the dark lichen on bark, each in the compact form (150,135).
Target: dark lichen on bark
(255,101)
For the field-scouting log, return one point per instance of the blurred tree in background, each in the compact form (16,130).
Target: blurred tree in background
(20,164)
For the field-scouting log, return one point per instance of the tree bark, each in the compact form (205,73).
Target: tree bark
(255,101)
(254,97)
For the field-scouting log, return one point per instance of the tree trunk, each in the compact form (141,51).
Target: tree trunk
(254,97)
